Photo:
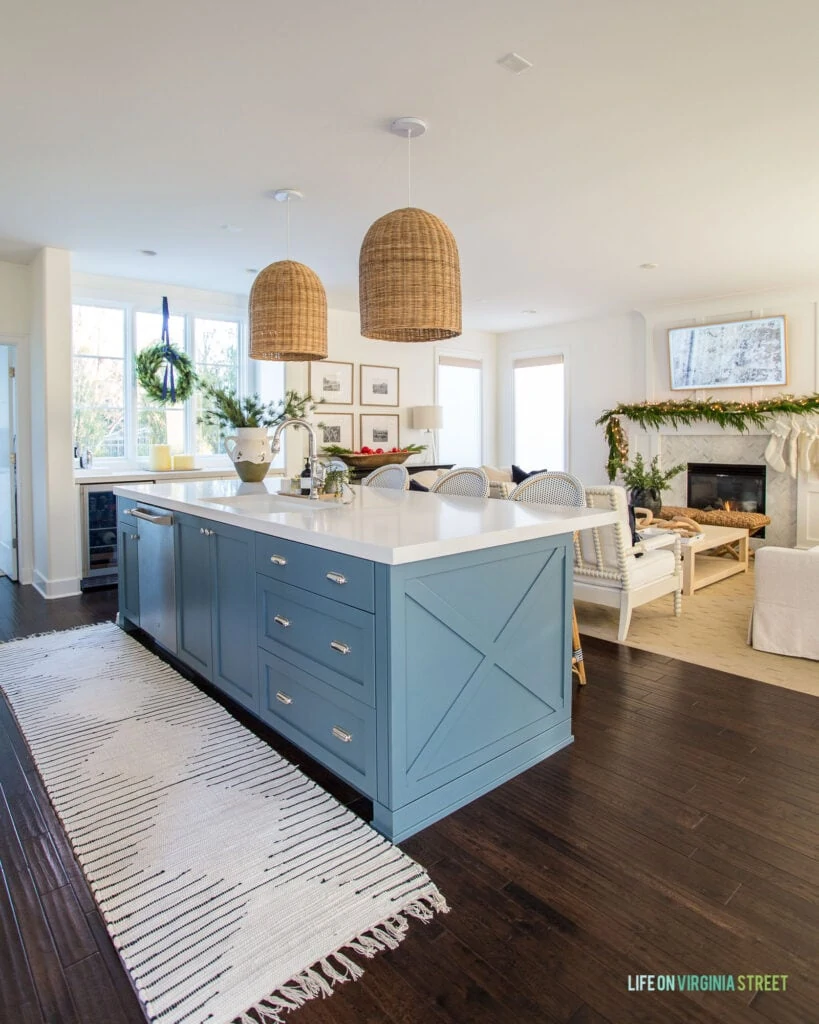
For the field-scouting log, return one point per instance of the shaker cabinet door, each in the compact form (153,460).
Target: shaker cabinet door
(193,594)
(233,580)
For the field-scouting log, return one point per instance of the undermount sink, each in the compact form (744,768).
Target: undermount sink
(270,503)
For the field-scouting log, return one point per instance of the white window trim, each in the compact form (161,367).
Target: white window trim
(246,371)
(467,355)
(506,412)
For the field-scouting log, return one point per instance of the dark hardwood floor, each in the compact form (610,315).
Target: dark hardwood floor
(678,835)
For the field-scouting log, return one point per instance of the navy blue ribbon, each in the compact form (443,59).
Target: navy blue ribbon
(168,381)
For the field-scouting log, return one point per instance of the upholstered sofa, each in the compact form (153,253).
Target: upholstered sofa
(785,617)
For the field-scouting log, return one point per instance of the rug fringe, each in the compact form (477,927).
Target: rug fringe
(324,976)
(52,632)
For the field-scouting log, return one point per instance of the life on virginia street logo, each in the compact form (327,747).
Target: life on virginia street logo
(707,982)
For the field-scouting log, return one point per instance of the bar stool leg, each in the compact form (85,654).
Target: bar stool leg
(578,664)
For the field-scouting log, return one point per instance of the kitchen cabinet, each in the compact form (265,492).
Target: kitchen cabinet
(416,645)
(216,605)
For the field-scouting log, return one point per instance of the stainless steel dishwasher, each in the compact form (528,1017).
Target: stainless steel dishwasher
(157,589)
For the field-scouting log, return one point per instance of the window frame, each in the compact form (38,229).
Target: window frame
(531,356)
(463,357)
(246,371)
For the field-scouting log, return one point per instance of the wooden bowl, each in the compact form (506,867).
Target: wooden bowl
(374,461)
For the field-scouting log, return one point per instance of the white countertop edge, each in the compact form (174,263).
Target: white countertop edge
(142,476)
(271,525)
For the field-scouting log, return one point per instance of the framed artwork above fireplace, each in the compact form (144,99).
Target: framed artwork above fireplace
(737,354)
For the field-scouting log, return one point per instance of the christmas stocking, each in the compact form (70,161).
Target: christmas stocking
(780,429)
(791,452)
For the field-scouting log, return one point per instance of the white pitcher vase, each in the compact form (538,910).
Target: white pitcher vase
(250,452)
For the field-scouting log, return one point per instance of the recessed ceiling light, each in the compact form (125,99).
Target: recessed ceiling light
(529,312)
(648,266)
(148,252)
(515,63)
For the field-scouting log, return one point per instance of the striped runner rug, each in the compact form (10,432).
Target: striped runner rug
(233,887)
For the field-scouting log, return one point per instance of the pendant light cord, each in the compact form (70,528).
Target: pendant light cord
(409,167)
(287,228)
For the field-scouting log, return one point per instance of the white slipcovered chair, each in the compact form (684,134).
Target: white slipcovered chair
(466,482)
(394,478)
(560,489)
(785,617)
(607,571)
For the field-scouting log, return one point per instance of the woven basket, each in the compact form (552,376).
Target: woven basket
(409,279)
(288,313)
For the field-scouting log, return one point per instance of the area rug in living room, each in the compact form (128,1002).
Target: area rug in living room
(712,631)
(232,886)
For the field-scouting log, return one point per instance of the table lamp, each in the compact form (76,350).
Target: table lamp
(429,418)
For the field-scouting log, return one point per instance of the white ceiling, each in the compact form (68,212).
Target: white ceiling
(681,132)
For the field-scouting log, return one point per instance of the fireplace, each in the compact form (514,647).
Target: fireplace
(733,487)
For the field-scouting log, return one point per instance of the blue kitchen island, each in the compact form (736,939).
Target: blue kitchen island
(417,645)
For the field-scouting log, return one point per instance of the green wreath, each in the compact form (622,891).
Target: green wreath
(177,380)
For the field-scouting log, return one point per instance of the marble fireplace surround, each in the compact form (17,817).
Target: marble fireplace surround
(742,449)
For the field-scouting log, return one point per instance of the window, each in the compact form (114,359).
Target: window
(460,386)
(99,379)
(111,414)
(539,413)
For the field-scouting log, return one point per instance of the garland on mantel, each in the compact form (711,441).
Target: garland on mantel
(736,415)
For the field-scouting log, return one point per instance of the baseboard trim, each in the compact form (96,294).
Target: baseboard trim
(53,589)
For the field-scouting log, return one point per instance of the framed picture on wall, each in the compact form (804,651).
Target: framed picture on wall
(335,428)
(379,431)
(379,385)
(739,354)
(332,382)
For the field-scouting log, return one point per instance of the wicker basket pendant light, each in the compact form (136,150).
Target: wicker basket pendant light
(409,275)
(287,312)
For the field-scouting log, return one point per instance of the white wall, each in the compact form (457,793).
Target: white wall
(56,560)
(14,299)
(604,364)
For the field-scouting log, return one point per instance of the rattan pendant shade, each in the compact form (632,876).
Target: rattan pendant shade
(409,278)
(288,314)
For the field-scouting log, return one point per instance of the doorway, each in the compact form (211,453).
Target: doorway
(8,462)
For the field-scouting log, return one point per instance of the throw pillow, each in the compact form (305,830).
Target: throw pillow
(635,537)
(415,486)
(519,475)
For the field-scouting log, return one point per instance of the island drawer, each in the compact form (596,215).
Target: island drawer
(340,577)
(328,639)
(331,727)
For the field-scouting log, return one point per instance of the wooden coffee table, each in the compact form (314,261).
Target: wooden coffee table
(700,568)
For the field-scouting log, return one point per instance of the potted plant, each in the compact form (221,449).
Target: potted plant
(250,419)
(647,482)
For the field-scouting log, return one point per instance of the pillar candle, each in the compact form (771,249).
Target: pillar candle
(159,458)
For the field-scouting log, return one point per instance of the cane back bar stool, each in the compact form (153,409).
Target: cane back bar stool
(466,482)
(395,478)
(552,488)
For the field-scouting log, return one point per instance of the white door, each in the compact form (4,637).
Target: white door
(8,465)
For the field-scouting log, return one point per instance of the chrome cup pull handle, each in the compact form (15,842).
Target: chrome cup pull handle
(278,560)
(336,577)
(342,734)
(282,621)
(283,698)
(340,647)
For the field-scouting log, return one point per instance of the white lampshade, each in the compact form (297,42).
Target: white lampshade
(427,417)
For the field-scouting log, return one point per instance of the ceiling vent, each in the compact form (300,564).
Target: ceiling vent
(515,63)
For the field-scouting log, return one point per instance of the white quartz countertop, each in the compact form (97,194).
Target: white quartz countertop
(394,527)
(105,476)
